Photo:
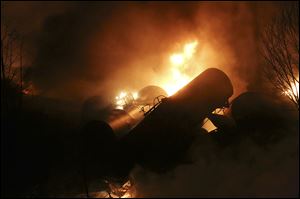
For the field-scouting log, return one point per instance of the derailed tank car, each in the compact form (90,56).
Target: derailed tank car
(163,137)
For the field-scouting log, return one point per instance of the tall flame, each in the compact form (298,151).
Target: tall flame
(177,78)
(178,66)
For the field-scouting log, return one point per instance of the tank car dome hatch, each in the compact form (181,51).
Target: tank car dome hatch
(149,93)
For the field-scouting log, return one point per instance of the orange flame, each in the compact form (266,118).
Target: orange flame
(178,66)
(125,98)
(177,78)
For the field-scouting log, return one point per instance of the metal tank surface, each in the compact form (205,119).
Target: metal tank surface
(165,134)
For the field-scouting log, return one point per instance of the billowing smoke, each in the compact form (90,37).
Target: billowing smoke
(83,49)
(260,158)
(252,171)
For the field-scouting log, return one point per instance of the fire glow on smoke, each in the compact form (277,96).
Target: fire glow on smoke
(179,64)
(177,78)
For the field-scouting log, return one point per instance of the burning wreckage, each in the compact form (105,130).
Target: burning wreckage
(154,135)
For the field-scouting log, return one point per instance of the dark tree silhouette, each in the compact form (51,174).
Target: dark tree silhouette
(280,49)
(11,64)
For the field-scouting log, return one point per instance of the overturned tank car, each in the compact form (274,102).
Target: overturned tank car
(165,134)
(162,138)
